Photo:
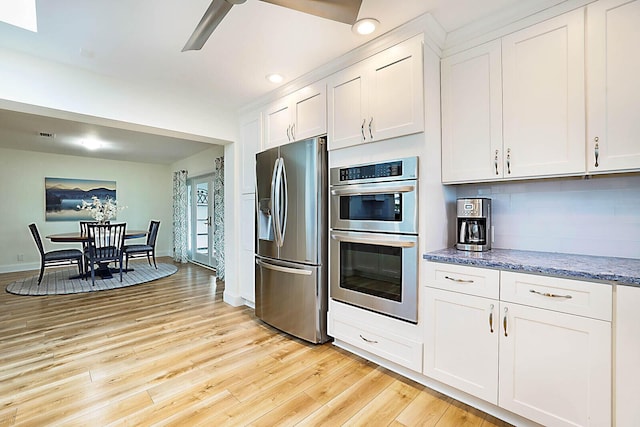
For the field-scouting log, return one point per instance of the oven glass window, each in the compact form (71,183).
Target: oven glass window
(371,269)
(372,207)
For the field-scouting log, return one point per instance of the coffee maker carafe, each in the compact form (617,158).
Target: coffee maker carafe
(474,224)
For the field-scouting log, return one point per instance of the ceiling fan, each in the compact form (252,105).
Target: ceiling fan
(345,11)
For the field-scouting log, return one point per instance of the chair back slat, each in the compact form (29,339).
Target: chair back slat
(36,237)
(153,233)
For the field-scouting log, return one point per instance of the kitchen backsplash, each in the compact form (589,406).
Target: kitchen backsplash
(596,216)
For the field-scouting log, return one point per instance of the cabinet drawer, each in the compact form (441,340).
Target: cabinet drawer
(482,282)
(378,341)
(564,295)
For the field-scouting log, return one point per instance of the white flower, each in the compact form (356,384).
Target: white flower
(101,211)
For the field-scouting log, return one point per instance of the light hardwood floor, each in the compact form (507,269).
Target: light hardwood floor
(171,352)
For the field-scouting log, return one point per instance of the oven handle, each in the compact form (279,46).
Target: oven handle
(364,189)
(380,241)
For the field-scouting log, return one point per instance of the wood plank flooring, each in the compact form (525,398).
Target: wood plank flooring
(171,352)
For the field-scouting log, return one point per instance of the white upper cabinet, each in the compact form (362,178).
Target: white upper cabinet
(544,98)
(613,86)
(515,107)
(379,98)
(250,144)
(472,114)
(301,115)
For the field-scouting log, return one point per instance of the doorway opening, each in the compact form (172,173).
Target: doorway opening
(201,226)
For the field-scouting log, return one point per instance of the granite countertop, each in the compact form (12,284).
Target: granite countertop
(622,271)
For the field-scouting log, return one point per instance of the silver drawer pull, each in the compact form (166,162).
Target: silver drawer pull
(458,280)
(546,294)
(369,341)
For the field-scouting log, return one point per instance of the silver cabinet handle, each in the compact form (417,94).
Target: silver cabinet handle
(284,269)
(596,150)
(546,294)
(509,161)
(293,132)
(288,134)
(504,322)
(369,341)
(453,279)
(364,138)
(491,318)
(495,162)
(370,123)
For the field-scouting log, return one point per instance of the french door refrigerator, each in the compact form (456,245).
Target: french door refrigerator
(291,238)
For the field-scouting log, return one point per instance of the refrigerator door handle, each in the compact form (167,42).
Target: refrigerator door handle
(285,204)
(275,201)
(284,269)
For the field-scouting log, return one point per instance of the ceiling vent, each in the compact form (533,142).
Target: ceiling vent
(47,135)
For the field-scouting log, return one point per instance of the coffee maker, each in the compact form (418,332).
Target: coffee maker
(474,224)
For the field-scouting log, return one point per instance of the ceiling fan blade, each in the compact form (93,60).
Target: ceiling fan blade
(212,17)
(345,11)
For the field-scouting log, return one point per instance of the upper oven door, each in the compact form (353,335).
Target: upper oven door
(384,206)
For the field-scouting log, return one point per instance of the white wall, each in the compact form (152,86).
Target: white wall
(33,81)
(199,164)
(145,190)
(597,216)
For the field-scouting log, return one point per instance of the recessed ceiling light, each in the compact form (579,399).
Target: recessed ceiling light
(91,144)
(275,78)
(365,26)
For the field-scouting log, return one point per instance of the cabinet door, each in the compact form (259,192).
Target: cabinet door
(278,123)
(555,368)
(250,144)
(395,90)
(627,353)
(613,86)
(347,109)
(310,112)
(461,342)
(543,95)
(247,243)
(472,114)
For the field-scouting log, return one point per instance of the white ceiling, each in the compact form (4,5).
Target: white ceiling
(140,41)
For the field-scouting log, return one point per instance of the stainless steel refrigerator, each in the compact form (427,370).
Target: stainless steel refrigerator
(291,238)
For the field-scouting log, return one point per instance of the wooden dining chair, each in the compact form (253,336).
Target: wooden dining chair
(57,257)
(84,232)
(148,250)
(105,244)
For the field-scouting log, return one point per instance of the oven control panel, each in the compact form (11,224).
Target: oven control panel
(378,170)
(391,170)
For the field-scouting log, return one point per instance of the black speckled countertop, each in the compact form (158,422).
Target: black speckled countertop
(622,271)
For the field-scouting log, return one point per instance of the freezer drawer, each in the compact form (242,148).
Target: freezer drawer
(293,298)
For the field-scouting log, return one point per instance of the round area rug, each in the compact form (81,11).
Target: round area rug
(58,282)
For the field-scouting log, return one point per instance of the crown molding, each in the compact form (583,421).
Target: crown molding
(507,21)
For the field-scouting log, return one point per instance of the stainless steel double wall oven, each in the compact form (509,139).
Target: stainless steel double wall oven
(374,237)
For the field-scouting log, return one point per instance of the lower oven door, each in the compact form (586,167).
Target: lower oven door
(376,271)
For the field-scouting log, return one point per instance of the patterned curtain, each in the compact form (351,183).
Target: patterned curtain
(218,216)
(180,212)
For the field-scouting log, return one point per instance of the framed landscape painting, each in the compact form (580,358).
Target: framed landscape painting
(64,195)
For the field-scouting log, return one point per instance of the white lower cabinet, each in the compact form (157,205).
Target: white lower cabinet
(382,336)
(555,368)
(461,342)
(527,351)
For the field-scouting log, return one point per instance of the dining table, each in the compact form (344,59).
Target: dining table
(76,237)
